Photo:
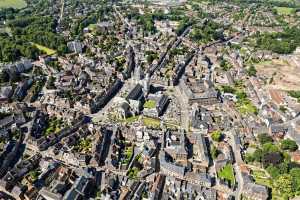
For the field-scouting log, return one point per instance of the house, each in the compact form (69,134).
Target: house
(102,99)
(295,156)
(16,119)
(5,93)
(201,119)
(79,189)
(255,192)
(277,130)
(170,169)
(276,97)
(161,105)
(200,152)
(130,63)
(21,90)
(136,98)
(198,91)
(175,146)
(75,46)
(124,110)
(157,187)
(14,70)
(105,26)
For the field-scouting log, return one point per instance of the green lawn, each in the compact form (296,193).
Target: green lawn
(18,4)
(45,49)
(131,119)
(127,154)
(92,27)
(261,178)
(54,126)
(227,173)
(151,122)
(285,10)
(150,104)
(247,108)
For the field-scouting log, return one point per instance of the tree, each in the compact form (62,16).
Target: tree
(289,144)
(214,152)
(228,89)
(249,158)
(258,154)
(274,158)
(295,173)
(251,71)
(216,136)
(269,148)
(273,171)
(284,185)
(264,138)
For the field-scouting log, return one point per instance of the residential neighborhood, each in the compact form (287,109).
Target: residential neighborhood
(169,99)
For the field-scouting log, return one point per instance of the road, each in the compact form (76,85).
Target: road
(97,117)
(61,11)
(184,109)
(239,180)
(163,58)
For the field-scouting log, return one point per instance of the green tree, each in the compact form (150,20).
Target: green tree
(284,185)
(289,144)
(216,136)
(273,171)
(249,158)
(258,154)
(269,148)
(251,71)
(214,152)
(295,173)
(264,138)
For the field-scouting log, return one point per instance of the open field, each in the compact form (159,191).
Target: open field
(285,10)
(150,104)
(281,74)
(45,49)
(18,4)
(151,122)
(227,174)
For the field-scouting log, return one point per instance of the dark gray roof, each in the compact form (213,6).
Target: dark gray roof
(136,93)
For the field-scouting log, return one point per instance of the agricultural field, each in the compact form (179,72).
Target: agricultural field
(18,4)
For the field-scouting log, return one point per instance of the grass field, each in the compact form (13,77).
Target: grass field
(18,4)
(45,49)
(227,174)
(285,10)
(151,122)
(247,108)
(150,104)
